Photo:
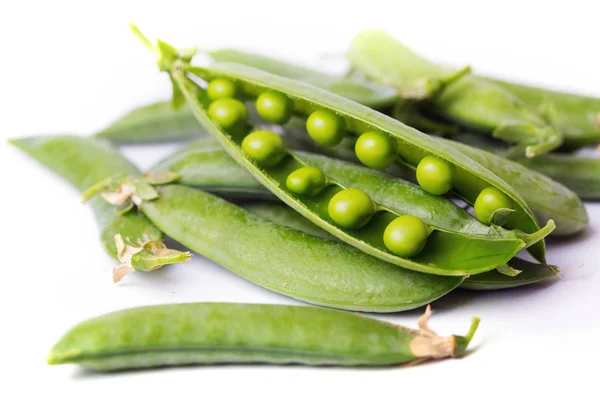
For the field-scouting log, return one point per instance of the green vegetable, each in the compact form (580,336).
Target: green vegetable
(375,149)
(489,201)
(434,175)
(274,107)
(216,333)
(325,128)
(470,177)
(469,101)
(264,147)
(228,113)
(406,236)
(221,89)
(288,261)
(351,208)
(85,161)
(308,181)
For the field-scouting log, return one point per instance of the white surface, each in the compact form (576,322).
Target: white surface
(73,67)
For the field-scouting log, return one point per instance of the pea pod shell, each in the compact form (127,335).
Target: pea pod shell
(359,90)
(84,162)
(215,333)
(471,177)
(156,122)
(287,261)
(547,198)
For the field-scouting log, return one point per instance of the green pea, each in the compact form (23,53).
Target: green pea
(375,149)
(306,181)
(489,200)
(325,128)
(228,113)
(220,88)
(351,208)
(274,107)
(264,147)
(434,175)
(406,236)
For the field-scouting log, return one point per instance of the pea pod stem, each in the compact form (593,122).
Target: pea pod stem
(214,333)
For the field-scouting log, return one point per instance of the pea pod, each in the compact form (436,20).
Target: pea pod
(354,88)
(201,165)
(577,116)
(473,102)
(470,177)
(156,122)
(204,164)
(287,261)
(217,333)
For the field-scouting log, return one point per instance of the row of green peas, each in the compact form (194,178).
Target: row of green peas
(350,208)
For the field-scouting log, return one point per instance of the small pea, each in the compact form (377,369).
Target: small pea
(325,128)
(489,200)
(264,147)
(434,175)
(220,88)
(306,181)
(351,208)
(274,107)
(375,149)
(406,236)
(228,113)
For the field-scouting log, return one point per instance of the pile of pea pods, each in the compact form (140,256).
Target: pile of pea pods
(378,191)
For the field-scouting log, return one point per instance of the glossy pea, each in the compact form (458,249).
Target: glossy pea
(375,149)
(488,202)
(406,236)
(306,181)
(351,208)
(434,175)
(274,107)
(228,113)
(264,147)
(325,128)
(217,333)
(221,89)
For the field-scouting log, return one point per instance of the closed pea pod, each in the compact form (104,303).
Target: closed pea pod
(306,99)
(215,333)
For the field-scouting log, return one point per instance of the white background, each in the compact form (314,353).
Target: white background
(73,67)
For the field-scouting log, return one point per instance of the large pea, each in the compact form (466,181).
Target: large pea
(264,147)
(220,88)
(306,181)
(325,128)
(434,175)
(228,113)
(351,208)
(274,107)
(489,200)
(375,149)
(406,236)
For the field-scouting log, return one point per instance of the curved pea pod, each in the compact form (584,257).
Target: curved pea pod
(548,199)
(354,88)
(203,164)
(157,122)
(470,101)
(83,162)
(288,261)
(577,116)
(517,272)
(237,333)
(470,178)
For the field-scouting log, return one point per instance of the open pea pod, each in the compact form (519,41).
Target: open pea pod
(85,161)
(357,89)
(204,164)
(470,101)
(577,116)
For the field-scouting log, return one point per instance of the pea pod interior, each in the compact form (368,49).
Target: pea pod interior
(470,177)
